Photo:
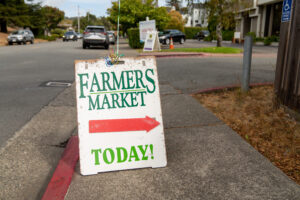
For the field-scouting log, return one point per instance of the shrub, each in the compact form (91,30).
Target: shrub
(259,39)
(134,38)
(227,35)
(58,32)
(267,41)
(190,32)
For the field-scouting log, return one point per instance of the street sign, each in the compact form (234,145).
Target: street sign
(144,27)
(286,10)
(119,115)
(152,41)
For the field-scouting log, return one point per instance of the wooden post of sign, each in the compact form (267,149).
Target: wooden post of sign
(287,77)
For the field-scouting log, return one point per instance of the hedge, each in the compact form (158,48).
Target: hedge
(134,38)
(190,32)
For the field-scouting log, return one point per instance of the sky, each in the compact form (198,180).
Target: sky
(95,7)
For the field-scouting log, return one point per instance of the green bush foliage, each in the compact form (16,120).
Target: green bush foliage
(227,35)
(190,32)
(134,38)
(58,31)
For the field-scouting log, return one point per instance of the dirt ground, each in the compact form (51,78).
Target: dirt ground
(3,37)
(270,131)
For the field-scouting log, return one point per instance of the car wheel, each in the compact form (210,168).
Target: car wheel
(10,43)
(106,46)
(24,42)
(84,46)
(31,41)
(19,43)
(167,41)
(181,40)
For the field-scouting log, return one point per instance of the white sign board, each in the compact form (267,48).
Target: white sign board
(146,26)
(152,41)
(119,115)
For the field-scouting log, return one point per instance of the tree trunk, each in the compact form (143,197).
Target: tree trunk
(219,34)
(3,26)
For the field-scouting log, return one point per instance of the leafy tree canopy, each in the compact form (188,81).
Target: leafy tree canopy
(176,21)
(133,11)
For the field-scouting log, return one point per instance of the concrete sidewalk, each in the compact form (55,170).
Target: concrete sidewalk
(206,160)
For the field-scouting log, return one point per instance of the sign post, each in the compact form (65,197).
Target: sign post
(119,115)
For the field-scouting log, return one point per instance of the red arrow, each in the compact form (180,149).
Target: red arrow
(120,125)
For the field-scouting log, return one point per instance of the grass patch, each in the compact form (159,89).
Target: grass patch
(228,50)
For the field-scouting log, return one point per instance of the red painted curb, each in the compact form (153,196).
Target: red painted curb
(62,177)
(228,87)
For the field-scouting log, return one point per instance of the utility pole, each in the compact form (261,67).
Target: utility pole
(78,20)
(287,76)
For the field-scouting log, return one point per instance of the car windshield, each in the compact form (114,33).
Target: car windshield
(95,30)
(17,32)
(205,32)
(69,33)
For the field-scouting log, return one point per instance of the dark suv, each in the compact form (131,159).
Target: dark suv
(176,35)
(95,36)
(70,35)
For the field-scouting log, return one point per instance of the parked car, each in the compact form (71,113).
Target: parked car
(111,37)
(70,35)
(95,36)
(201,35)
(79,35)
(176,35)
(20,36)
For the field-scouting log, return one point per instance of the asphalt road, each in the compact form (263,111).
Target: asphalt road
(23,69)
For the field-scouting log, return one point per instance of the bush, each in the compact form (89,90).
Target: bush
(49,38)
(259,39)
(134,38)
(227,35)
(267,41)
(190,32)
(58,32)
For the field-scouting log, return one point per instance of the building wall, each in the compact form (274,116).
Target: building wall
(264,18)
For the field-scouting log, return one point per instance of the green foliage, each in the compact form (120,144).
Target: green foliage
(51,17)
(134,38)
(227,35)
(176,21)
(134,11)
(221,16)
(190,32)
(32,15)
(49,38)
(57,31)
(269,40)
(259,39)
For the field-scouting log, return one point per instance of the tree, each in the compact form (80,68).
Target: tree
(134,11)
(51,17)
(221,12)
(176,21)
(175,3)
(14,12)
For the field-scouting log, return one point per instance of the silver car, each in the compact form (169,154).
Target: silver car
(95,36)
(112,37)
(20,36)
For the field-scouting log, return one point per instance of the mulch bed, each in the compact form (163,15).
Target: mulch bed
(271,131)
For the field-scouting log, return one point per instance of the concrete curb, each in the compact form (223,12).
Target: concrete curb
(179,54)
(62,177)
(229,87)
